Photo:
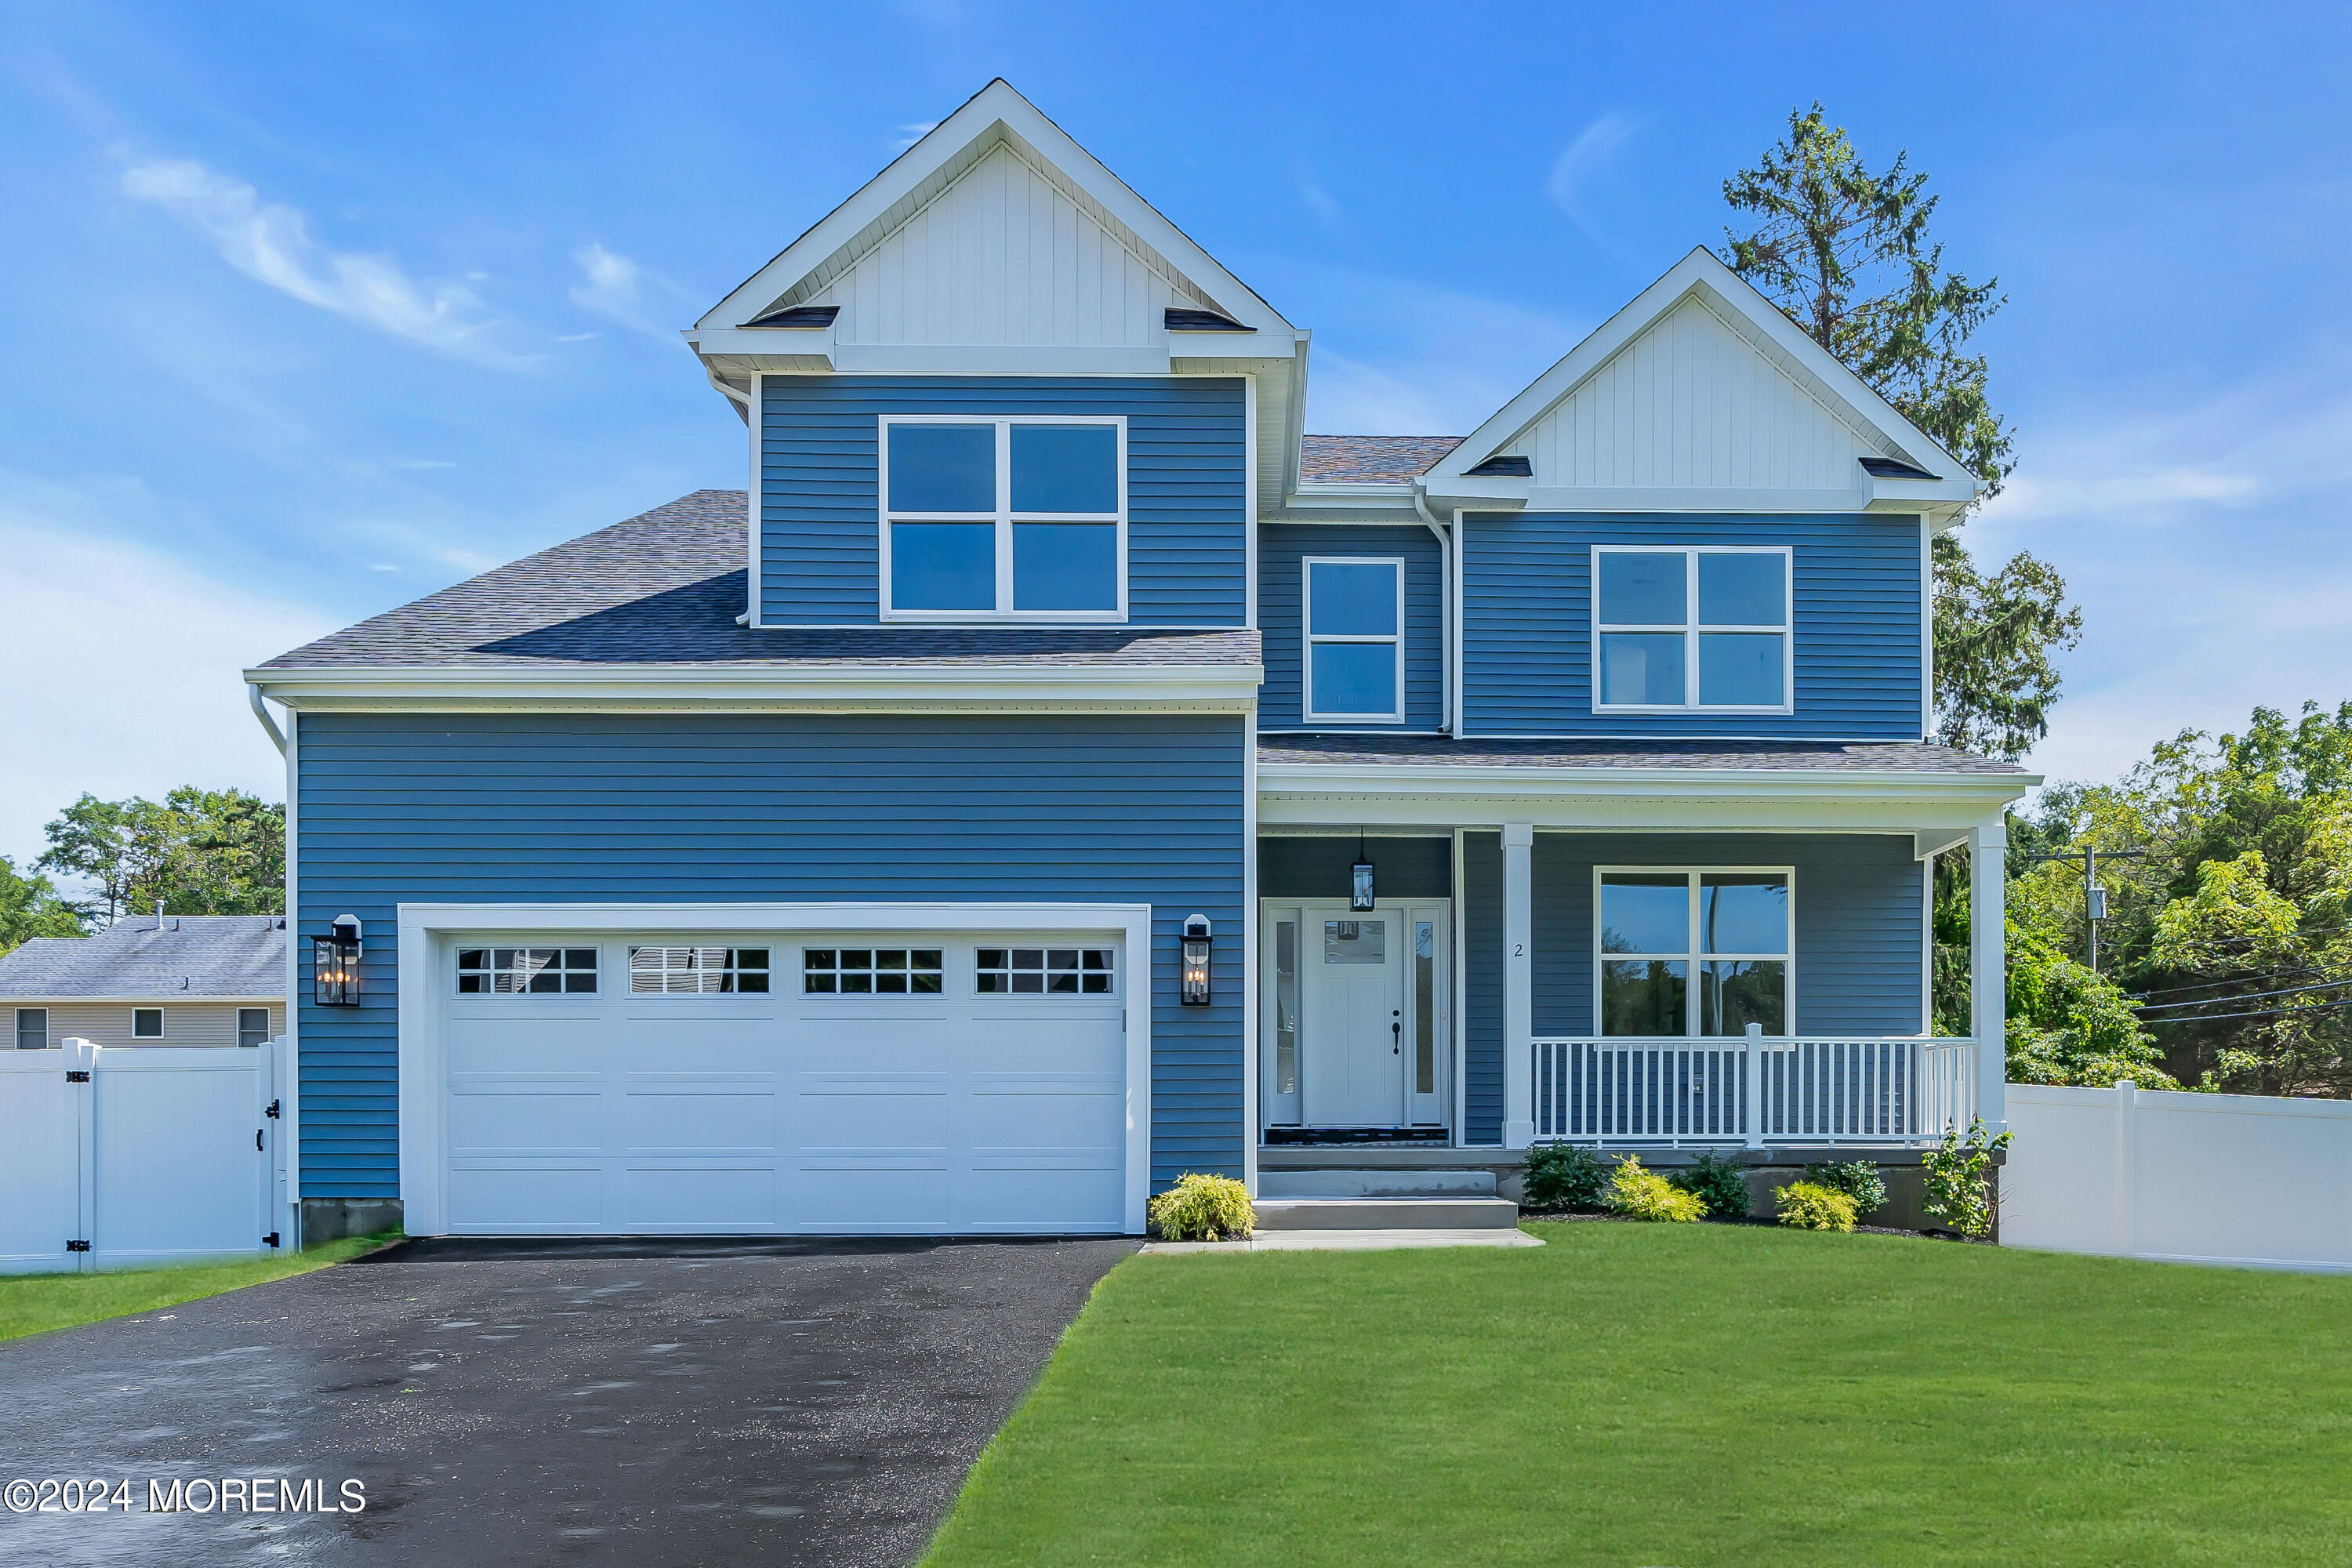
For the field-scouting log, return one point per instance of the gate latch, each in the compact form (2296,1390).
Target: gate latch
(77,1075)
(77,1246)
(271,1239)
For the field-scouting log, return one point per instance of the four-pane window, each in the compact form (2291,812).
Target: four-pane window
(526,971)
(872,971)
(1694,953)
(253,1027)
(1045,970)
(1354,616)
(697,971)
(1005,517)
(1691,628)
(32,1028)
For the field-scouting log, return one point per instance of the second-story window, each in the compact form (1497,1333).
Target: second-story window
(1004,518)
(1354,616)
(1701,628)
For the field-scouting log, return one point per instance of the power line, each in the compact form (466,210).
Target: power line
(2219,985)
(2244,997)
(2265,1012)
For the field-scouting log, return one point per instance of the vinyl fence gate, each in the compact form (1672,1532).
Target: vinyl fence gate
(138,1155)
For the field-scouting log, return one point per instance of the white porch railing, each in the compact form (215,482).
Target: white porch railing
(1751,1091)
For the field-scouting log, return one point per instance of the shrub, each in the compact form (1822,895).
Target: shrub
(1644,1194)
(1561,1176)
(1958,1193)
(1857,1179)
(1718,1181)
(1809,1205)
(1204,1208)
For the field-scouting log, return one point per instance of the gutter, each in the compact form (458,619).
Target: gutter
(1444,606)
(276,735)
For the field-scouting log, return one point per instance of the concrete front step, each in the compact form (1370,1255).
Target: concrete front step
(1387,1214)
(1375,1184)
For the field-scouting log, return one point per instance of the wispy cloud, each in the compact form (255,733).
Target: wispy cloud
(618,289)
(1321,204)
(1586,167)
(271,242)
(910,134)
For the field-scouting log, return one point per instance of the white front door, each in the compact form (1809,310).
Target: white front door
(1358,1027)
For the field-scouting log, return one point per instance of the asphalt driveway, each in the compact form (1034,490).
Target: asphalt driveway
(550,1402)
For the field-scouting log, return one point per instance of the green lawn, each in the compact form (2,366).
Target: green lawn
(1679,1395)
(36,1303)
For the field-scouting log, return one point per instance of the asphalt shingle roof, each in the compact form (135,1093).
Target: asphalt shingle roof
(191,956)
(1842,756)
(666,588)
(1370,459)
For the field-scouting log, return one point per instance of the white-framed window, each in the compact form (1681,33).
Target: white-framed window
(1021,518)
(526,971)
(32,1028)
(1351,613)
(872,971)
(1709,627)
(697,971)
(252,1027)
(1692,952)
(146,1023)
(1044,971)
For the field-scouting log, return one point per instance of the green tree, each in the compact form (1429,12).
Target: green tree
(29,907)
(215,852)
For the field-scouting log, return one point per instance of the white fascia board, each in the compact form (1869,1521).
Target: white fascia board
(995,106)
(799,345)
(1701,273)
(1916,496)
(837,688)
(1231,346)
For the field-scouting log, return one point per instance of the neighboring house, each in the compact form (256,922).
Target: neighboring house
(151,980)
(822,859)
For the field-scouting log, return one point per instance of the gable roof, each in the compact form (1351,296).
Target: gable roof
(1710,300)
(997,122)
(189,958)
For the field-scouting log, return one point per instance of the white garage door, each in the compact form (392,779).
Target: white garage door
(737,1083)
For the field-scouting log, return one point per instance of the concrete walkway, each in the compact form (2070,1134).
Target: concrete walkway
(1352,1241)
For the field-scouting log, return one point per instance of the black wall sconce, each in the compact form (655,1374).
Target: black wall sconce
(335,964)
(1360,878)
(1194,988)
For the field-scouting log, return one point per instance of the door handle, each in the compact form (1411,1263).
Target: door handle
(1396,1046)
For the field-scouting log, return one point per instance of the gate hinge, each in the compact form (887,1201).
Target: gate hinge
(271,1239)
(272,1111)
(77,1247)
(77,1075)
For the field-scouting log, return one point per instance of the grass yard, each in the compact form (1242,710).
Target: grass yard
(36,1303)
(1679,1395)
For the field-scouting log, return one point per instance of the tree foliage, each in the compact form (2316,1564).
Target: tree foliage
(1996,637)
(31,907)
(198,851)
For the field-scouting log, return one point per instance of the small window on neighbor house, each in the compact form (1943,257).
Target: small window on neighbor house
(32,1028)
(253,1026)
(1004,518)
(526,971)
(1691,628)
(697,971)
(1354,616)
(1045,970)
(871,971)
(146,1023)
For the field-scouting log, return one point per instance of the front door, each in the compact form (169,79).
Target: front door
(1356,1020)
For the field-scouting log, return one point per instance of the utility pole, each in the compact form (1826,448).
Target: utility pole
(2095,897)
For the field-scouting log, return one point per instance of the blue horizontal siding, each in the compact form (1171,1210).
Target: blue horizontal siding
(1280,549)
(673,809)
(1481,987)
(819,493)
(1859,944)
(1526,617)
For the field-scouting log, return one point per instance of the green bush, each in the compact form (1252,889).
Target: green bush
(1718,1181)
(1809,1205)
(1958,1191)
(1857,1179)
(1561,1176)
(1644,1194)
(1204,1208)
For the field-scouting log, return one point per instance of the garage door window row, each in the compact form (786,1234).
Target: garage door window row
(872,971)
(1045,970)
(526,971)
(703,970)
(697,971)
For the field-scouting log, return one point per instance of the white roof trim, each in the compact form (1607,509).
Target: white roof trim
(996,114)
(1734,299)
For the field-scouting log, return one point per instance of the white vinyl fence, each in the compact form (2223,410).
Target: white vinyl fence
(115,1158)
(2187,1178)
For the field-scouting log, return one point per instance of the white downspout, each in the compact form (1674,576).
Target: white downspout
(277,736)
(1444,607)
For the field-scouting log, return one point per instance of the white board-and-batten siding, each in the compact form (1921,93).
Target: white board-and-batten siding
(1691,403)
(108,1023)
(1004,257)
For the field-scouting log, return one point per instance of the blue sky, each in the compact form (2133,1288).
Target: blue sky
(307,310)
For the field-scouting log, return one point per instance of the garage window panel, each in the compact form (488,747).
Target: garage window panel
(697,971)
(1045,970)
(526,971)
(872,971)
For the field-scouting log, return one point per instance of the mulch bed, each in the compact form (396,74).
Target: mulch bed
(1605,1216)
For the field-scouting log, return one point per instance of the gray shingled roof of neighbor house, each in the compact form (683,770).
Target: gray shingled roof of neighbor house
(666,588)
(1839,756)
(1370,459)
(191,956)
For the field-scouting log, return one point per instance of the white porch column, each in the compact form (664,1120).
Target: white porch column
(1987,969)
(1518,984)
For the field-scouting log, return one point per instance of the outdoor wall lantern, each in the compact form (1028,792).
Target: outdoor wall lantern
(335,964)
(1360,878)
(1194,992)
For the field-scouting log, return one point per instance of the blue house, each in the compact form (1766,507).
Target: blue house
(1057,770)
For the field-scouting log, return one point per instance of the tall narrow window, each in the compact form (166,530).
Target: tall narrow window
(1702,629)
(1285,1007)
(994,519)
(1354,616)
(1425,1007)
(1694,953)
